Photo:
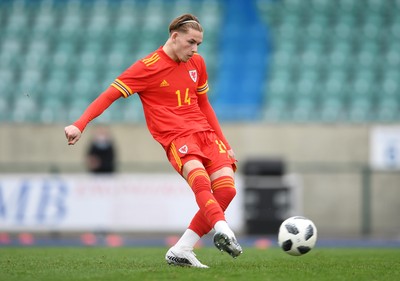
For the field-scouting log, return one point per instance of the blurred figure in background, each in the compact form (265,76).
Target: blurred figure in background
(100,157)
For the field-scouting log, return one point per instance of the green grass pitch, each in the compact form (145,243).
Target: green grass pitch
(138,263)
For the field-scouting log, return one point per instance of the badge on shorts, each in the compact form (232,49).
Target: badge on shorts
(184,149)
(193,75)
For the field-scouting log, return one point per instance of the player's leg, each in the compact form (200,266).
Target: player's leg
(182,252)
(196,176)
(224,191)
(223,187)
(200,182)
(210,214)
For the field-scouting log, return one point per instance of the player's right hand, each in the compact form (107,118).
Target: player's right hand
(73,134)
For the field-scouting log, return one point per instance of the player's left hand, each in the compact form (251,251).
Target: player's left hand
(232,154)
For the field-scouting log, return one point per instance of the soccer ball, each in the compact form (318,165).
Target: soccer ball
(297,235)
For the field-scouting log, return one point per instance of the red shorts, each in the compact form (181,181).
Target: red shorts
(203,146)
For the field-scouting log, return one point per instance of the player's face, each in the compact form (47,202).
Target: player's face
(186,44)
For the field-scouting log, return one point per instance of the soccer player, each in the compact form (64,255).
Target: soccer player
(172,85)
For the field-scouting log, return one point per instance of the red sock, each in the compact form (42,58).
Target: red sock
(224,192)
(200,183)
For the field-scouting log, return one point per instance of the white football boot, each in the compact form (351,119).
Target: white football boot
(228,244)
(183,257)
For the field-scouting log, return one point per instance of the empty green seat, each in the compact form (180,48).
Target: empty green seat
(360,110)
(303,109)
(24,109)
(388,109)
(331,110)
(275,109)
(52,109)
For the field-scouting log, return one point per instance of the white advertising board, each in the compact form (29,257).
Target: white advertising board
(137,202)
(385,148)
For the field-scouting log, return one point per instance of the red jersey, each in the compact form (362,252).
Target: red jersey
(168,91)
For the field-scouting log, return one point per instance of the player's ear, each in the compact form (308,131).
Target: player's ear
(174,35)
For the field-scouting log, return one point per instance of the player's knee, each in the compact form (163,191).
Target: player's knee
(232,192)
(226,183)
(200,184)
(224,196)
(199,181)
(228,192)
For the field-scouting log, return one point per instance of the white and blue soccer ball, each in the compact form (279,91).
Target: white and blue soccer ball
(297,235)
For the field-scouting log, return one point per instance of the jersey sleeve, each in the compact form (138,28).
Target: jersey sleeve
(203,76)
(132,80)
(101,103)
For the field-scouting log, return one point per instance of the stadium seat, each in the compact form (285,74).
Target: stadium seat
(362,86)
(303,110)
(35,55)
(25,109)
(64,57)
(275,110)
(331,110)
(6,96)
(12,47)
(7,76)
(349,6)
(322,6)
(360,110)
(44,20)
(306,84)
(388,109)
(4,109)
(52,109)
(78,102)
(335,85)
(18,22)
(54,89)
(279,86)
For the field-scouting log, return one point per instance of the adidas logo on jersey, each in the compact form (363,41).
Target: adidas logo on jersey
(164,83)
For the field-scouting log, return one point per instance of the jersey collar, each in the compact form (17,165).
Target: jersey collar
(167,58)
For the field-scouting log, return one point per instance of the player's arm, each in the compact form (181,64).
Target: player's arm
(102,102)
(209,112)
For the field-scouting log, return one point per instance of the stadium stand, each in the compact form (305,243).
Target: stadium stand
(243,62)
(331,61)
